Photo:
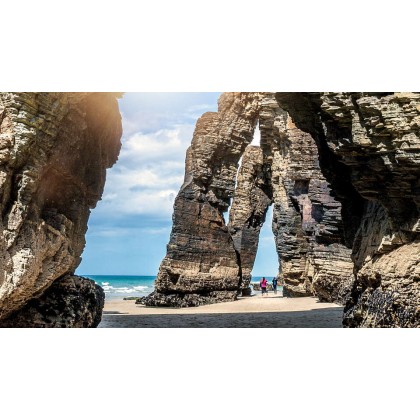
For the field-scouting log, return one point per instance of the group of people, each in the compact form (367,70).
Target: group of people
(263,285)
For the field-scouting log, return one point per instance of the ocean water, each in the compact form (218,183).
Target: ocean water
(256,279)
(117,287)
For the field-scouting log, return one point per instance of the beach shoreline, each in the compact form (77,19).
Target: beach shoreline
(271,311)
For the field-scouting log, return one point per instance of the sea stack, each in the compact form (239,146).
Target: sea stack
(211,254)
(202,265)
(343,173)
(341,170)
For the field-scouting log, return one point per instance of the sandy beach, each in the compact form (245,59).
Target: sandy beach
(249,312)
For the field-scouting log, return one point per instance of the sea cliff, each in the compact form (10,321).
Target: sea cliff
(54,150)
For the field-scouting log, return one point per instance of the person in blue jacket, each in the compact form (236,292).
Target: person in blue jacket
(274,281)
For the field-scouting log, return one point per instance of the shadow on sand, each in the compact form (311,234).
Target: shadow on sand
(315,318)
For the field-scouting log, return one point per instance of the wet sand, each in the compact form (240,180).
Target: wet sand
(272,311)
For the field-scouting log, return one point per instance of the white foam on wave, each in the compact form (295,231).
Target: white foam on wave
(125,290)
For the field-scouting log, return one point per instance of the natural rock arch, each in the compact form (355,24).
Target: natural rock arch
(343,172)
(209,260)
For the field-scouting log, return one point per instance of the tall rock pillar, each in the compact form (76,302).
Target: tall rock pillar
(252,198)
(201,265)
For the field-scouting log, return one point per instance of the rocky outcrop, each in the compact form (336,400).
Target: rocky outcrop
(251,200)
(71,301)
(341,169)
(369,147)
(307,225)
(212,260)
(54,150)
(201,259)
(343,173)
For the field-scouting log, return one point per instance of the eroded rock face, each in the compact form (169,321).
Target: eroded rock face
(307,221)
(370,153)
(213,261)
(201,259)
(70,302)
(251,200)
(54,150)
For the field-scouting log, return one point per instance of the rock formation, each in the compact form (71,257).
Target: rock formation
(307,221)
(251,200)
(209,260)
(70,301)
(343,173)
(369,149)
(54,150)
(202,265)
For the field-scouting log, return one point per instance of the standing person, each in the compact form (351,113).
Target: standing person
(263,284)
(274,281)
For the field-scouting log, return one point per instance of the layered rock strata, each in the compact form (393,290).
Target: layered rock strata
(54,150)
(369,148)
(251,200)
(202,265)
(209,260)
(342,170)
(307,221)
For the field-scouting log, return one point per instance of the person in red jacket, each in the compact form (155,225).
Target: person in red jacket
(263,284)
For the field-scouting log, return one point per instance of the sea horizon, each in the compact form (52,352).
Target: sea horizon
(119,286)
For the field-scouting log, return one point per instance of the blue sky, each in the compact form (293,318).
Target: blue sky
(130,227)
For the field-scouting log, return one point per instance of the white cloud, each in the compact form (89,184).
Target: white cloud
(134,218)
(109,197)
(200,107)
(129,125)
(148,175)
(162,145)
(149,112)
